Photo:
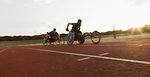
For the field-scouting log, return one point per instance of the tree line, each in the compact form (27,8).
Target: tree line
(137,30)
(19,38)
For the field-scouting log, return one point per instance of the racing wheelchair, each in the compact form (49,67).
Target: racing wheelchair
(49,40)
(78,36)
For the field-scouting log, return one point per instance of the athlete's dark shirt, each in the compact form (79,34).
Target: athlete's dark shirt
(52,34)
(75,27)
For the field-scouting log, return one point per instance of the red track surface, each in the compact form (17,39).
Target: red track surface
(21,62)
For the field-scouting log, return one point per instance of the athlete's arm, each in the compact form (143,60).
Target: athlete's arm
(68,25)
(58,36)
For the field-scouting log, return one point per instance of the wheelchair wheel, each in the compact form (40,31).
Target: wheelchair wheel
(44,41)
(95,37)
(61,41)
(70,38)
(81,40)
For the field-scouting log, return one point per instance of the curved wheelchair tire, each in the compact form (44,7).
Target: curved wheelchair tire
(70,38)
(61,41)
(96,38)
(81,40)
(44,41)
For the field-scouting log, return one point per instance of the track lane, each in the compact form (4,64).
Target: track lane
(18,62)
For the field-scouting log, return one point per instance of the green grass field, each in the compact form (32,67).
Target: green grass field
(17,43)
(127,38)
(108,38)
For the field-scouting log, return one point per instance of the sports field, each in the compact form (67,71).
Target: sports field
(107,38)
(108,59)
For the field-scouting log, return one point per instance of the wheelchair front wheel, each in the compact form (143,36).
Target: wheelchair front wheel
(70,38)
(96,38)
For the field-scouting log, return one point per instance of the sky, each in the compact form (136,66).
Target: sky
(34,17)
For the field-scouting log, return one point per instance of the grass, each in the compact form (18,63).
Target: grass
(17,43)
(128,38)
(108,38)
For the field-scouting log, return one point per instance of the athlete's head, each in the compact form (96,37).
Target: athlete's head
(79,21)
(54,29)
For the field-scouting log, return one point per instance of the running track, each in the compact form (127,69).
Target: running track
(112,59)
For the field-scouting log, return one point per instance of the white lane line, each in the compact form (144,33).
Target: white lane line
(3,50)
(93,56)
(103,54)
(116,45)
(108,45)
(84,59)
(144,44)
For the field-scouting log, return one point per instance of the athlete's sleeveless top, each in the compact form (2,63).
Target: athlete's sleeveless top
(75,27)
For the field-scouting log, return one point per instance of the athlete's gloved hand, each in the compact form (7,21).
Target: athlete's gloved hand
(67,29)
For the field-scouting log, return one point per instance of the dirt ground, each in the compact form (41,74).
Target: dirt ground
(109,59)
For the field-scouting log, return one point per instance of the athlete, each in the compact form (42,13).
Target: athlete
(54,36)
(75,26)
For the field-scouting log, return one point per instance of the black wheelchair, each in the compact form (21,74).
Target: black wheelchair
(78,36)
(52,40)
